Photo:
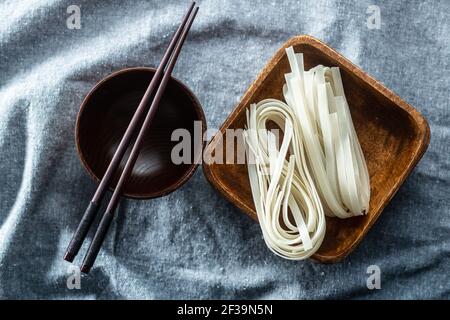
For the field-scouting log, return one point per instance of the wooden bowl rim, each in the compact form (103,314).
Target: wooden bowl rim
(197,107)
(416,116)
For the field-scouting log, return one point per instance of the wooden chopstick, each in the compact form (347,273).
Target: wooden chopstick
(105,222)
(92,209)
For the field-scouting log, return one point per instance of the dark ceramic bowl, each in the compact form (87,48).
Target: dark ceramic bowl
(105,114)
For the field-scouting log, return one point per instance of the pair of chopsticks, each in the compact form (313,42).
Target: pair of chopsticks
(158,83)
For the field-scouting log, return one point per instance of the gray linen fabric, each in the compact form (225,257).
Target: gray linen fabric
(193,243)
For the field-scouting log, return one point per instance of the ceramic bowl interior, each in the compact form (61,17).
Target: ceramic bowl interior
(105,114)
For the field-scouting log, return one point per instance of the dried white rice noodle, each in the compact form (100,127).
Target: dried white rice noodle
(325,172)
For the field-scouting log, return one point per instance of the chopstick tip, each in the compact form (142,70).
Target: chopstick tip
(69,257)
(85,269)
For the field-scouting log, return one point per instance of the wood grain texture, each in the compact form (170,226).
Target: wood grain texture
(393,136)
(104,116)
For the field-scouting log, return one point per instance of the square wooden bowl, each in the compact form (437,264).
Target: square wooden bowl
(393,136)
